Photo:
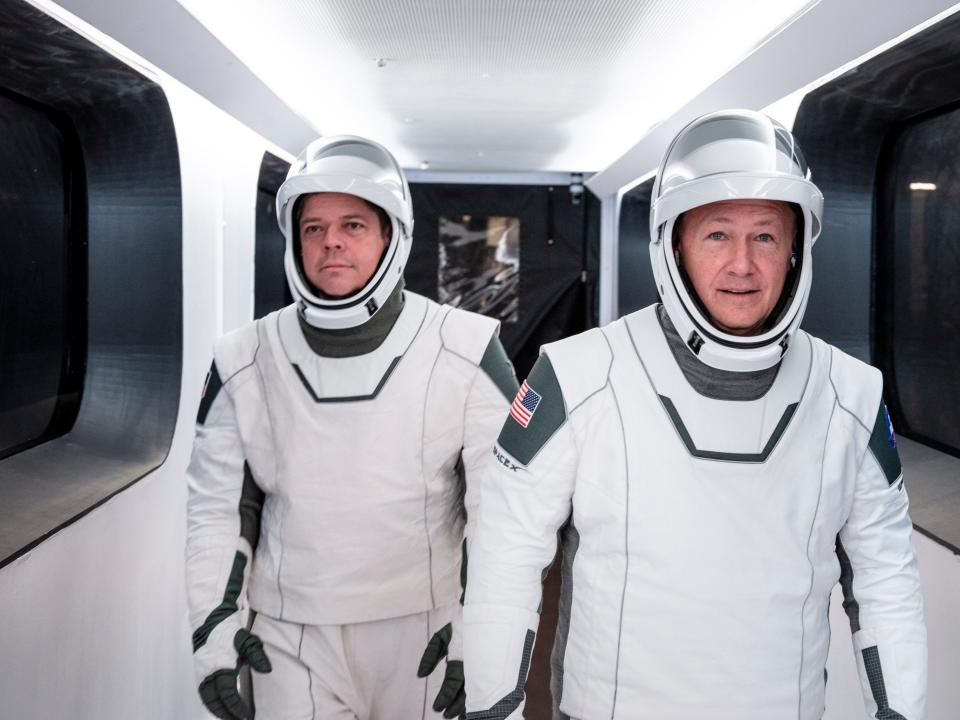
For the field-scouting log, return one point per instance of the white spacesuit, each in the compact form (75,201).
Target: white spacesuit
(328,489)
(711,490)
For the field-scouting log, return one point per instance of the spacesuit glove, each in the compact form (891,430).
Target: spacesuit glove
(218,690)
(451,699)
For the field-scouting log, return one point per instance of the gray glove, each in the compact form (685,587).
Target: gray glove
(218,691)
(451,699)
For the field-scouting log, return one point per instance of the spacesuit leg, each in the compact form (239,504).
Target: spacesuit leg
(383,657)
(310,680)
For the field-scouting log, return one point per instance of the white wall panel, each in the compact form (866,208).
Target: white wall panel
(94,619)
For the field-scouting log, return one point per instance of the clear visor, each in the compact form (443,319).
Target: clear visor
(731,143)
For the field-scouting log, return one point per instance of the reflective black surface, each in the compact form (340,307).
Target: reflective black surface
(133,313)
(42,276)
(635,286)
(270,289)
(849,130)
(479,265)
(924,327)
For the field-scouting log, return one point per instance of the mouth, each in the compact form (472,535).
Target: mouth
(334,266)
(739,293)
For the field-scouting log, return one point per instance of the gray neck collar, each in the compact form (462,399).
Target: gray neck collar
(711,382)
(360,340)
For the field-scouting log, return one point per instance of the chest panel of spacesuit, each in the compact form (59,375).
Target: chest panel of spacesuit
(350,431)
(717,561)
(359,488)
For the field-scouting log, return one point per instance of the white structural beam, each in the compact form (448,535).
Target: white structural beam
(608,287)
(164,34)
(831,35)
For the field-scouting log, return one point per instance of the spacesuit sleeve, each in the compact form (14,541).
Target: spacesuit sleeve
(881,584)
(487,405)
(494,386)
(223,510)
(525,498)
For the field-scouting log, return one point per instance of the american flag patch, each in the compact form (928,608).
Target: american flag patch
(524,404)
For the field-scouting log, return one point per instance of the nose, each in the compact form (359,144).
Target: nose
(741,259)
(332,239)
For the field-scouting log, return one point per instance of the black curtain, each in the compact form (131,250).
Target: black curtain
(559,239)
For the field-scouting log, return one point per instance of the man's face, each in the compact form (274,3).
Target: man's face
(737,255)
(341,242)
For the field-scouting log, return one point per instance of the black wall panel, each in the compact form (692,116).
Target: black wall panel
(132,307)
(842,128)
(270,289)
(635,286)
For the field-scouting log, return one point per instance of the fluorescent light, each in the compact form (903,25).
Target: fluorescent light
(548,110)
(923,186)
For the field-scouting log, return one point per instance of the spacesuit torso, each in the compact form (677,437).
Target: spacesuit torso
(699,534)
(359,463)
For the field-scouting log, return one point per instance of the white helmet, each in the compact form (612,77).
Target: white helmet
(360,167)
(732,155)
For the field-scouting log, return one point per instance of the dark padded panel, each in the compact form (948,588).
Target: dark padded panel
(347,398)
(251,507)
(570,544)
(510,702)
(871,662)
(227,607)
(131,387)
(706,454)
(850,605)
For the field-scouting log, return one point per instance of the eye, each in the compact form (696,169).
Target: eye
(766,237)
(309,229)
(716,235)
(354,225)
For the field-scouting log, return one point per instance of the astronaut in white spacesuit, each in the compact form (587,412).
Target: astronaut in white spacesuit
(335,463)
(714,471)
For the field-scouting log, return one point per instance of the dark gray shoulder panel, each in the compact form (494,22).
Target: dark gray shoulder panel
(536,414)
(498,368)
(883,445)
(210,390)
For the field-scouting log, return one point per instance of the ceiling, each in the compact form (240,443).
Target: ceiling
(492,85)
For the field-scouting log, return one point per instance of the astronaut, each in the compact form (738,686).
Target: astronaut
(336,456)
(714,471)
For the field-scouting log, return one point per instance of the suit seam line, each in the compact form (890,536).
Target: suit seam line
(426,680)
(423,472)
(313,705)
(836,394)
(463,423)
(813,572)
(252,362)
(626,543)
(276,464)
